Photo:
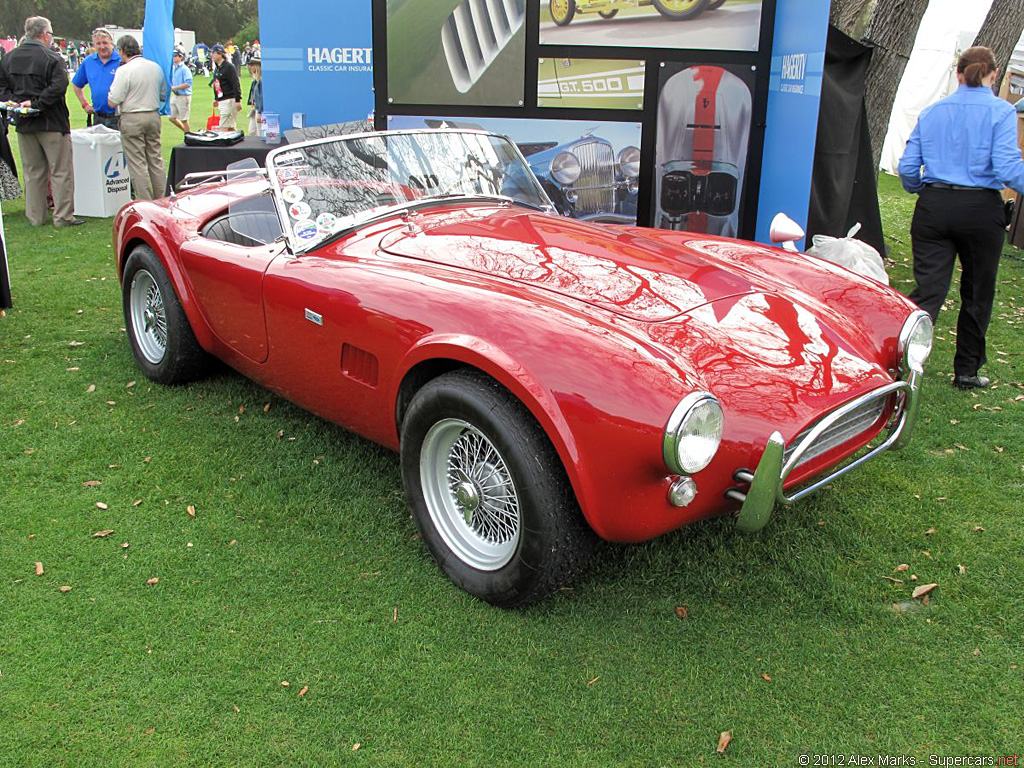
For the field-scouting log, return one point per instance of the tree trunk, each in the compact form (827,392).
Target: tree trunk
(1002,29)
(890,27)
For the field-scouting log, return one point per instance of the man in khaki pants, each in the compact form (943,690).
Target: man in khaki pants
(138,91)
(32,76)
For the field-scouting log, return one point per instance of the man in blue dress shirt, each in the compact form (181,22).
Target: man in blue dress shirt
(97,71)
(962,152)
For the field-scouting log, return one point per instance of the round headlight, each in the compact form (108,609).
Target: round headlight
(915,342)
(629,162)
(565,168)
(693,433)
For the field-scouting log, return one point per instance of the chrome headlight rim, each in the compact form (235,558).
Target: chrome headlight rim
(628,161)
(563,172)
(909,359)
(675,432)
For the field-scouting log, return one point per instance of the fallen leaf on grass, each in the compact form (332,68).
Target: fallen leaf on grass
(591,682)
(39,569)
(76,343)
(91,388)
(151,582)
(923,590)
(101,505)
(129,385)
(929,532)
(356,746)
(103,534)
(977,651)
(913,577)
(136,502)
(303,691)
(681,612)
(893,579)
(191,510)
(125,545)
(977,529)
(723,741)
(91,483)
(232,542)
(235,706)
(280,433)
(766,676)
(285,683)
(147,460)
(65,589)
(962,569)
(266,407)
(901,568)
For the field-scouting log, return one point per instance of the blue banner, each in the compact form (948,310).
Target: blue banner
(158,36)
(317,61)
(794,97)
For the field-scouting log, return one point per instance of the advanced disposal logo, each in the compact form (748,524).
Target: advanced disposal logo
(116,172)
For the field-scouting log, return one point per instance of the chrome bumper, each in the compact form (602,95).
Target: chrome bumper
(766,482)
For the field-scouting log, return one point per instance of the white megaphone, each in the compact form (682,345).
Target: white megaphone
(785,231)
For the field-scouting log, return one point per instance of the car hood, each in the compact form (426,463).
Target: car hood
(616,268)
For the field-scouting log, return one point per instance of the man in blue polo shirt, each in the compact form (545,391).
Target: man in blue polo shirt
(181,92)
(97,71)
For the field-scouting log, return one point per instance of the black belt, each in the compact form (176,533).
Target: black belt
(958,187)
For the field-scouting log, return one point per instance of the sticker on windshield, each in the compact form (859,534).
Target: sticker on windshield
(292,193)
(286,175)
(305,229)
(327,222)
(300,210)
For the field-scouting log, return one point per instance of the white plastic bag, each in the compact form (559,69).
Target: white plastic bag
(855,255)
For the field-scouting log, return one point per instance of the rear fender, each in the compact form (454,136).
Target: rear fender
(131,230)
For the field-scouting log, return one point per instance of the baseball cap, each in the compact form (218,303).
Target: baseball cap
(218,48)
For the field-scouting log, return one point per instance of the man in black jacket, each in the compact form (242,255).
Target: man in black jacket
(34,77)
(227,90)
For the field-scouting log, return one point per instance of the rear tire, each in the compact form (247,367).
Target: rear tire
(562,11)
(489,493)
(161,338)
(608,14)
(680,10)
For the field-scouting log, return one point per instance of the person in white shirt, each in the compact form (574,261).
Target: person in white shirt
(138,91)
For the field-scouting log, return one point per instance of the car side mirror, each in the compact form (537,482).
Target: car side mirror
(783,230)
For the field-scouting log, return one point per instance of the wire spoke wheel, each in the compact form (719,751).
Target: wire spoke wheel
(470,494)
(562,11)
(148,316)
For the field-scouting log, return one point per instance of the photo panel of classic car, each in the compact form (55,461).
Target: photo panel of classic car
(704,120)
(456,52)
(728,25)
(590,83)
(589,168)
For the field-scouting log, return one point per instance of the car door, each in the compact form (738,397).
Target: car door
(228,282)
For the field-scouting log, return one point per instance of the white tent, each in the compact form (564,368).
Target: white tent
(947,28)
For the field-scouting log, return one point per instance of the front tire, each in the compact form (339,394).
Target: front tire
(562,11)
(680,10)
(489,493)
(161,338)
(608,14)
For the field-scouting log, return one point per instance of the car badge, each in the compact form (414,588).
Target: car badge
(300,210)
(305,229)
(292,193)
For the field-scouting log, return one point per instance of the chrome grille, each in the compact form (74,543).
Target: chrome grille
(596,184)
(856,422)
(475,34)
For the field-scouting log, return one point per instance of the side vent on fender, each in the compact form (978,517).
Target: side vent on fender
(359,364)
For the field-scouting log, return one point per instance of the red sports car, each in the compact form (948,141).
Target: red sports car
(544,379)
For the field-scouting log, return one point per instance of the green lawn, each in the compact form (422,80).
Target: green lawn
(302,564)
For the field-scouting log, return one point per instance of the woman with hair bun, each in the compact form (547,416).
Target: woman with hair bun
(962,152)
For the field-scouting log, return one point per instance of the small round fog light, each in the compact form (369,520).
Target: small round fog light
(682,492)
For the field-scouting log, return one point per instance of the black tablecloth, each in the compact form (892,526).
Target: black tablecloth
(186,159)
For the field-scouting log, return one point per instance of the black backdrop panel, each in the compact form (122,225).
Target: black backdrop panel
(843,184)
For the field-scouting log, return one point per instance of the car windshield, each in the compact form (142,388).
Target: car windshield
(332,185)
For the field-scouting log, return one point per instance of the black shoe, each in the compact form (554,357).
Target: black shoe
(971,382)
(72,223)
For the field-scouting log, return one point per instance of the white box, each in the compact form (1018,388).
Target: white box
(102,183)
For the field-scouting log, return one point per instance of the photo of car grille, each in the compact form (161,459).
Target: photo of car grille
(475,34)
(596,183)
(856,422)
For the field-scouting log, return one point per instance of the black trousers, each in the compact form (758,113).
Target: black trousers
(971,224)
